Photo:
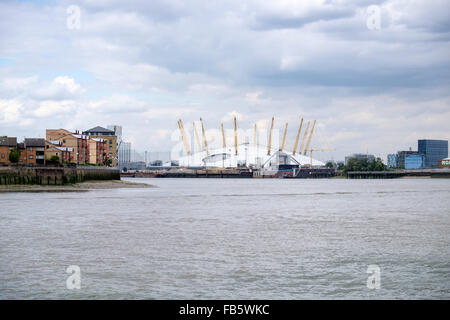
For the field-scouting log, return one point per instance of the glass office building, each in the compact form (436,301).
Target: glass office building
(392,161)
(414,161)
(401,158)
(433,150)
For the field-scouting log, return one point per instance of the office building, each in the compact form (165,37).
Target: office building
(414,161)
(124,154)
(392,161)
(433,150)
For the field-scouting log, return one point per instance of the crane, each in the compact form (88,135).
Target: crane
(316,150)
(309,138)
(298,137)
(270,138)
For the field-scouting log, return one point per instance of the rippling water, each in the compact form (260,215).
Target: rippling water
(230,239)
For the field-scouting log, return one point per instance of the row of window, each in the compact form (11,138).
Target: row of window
(3,156)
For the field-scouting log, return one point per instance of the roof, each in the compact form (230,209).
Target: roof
(98,129)
(8,141)
(34,142)
(79,136)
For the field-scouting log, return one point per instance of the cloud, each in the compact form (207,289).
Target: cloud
(9,111)
(53,108)
(286,14)
(153,62)
(118,103)
(62,87)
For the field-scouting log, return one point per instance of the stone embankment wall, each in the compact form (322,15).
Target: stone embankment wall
(55,176)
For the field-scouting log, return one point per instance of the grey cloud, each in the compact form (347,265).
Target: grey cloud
(204,58)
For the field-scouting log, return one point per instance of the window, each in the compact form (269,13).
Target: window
(110,148)
(3,156)
(31,148)
(110,141)
(31,157)
(64,140)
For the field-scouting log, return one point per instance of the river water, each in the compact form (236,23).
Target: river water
(230,239)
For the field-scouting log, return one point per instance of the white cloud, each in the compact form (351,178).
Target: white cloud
(118,103)
(158,61)
(53,108)
(62,87)
(10,111)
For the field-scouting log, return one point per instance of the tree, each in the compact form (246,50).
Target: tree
(54,159)
(14,155)
(329,164)
(379,165)
(354,164)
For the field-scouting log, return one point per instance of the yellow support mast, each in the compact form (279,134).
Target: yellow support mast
(204,137)
(199,145)
(284,137)
(304,138)
(298,137)
(183,136)
(235,137)
(309,138)
(270,138)
(224,141)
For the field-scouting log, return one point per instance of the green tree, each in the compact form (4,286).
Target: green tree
(354,164)
(329,164)
(54,159)
(14,155)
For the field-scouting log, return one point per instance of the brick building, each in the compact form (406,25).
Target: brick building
(7,144)
(111,141)
(77,142)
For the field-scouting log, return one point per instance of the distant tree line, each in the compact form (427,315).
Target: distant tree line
(354,164)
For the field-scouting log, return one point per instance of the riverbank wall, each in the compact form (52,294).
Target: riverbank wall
(55,175)
(391,174)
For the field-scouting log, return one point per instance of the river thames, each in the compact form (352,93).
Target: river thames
(230,239)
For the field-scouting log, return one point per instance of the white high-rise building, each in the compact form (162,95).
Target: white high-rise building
(124,153)
(117,130)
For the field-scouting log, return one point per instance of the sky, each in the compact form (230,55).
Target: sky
(374,74)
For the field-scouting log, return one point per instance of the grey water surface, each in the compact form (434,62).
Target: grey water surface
(230,239)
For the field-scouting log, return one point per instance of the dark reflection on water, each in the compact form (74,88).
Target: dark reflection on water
(238,239)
